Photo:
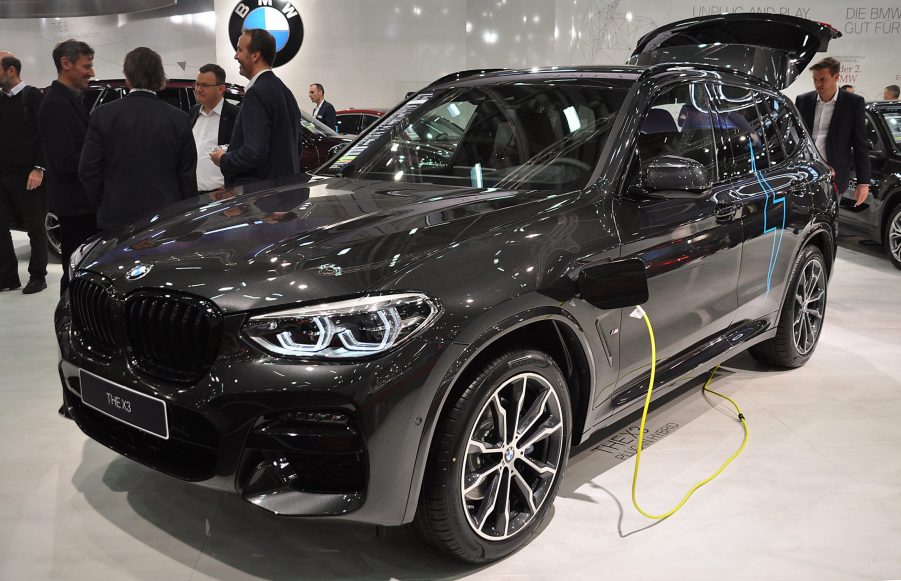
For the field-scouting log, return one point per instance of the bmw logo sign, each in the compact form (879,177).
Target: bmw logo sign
(279,17)
(139,271)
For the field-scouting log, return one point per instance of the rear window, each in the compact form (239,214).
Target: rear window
(525,136)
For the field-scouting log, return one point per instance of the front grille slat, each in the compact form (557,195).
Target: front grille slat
(169,336)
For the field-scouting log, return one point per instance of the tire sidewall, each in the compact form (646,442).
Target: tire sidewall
(498,373)
(896,211)
(786,323)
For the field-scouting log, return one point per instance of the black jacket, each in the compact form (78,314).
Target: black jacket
(20,146)
(846,131)
(138,157)
(327,115)
(226,120)
(63,122)
(265,141)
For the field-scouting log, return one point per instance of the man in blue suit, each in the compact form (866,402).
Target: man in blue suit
(323,110)
(265,140)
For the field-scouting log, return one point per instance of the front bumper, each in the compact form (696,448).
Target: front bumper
(292,437)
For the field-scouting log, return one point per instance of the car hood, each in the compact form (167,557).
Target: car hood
(773,47)
(285,243)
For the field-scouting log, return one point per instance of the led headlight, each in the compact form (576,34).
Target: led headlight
(344,329)
(80,253)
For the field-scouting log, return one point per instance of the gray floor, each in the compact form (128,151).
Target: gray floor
(816,495)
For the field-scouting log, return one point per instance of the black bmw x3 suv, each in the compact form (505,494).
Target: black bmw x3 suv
(419,331)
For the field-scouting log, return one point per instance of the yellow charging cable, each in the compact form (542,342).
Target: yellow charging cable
(639,313)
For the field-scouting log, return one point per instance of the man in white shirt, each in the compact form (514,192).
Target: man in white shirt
(835,120)
(212,121)
(323,110)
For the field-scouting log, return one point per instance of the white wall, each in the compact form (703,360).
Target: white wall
(371,52)
(185,41)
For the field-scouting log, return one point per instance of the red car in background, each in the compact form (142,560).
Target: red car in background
(353,121)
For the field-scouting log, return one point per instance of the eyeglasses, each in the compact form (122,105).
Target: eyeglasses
(206,86)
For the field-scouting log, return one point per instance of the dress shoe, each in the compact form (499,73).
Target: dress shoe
(35,285)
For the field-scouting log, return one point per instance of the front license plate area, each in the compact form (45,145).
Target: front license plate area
(136,409)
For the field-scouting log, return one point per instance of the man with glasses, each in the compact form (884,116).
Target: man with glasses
(212,119)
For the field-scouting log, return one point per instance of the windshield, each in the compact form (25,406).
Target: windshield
(519,136)
(315,125)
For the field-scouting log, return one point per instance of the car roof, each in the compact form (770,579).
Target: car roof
(884,105)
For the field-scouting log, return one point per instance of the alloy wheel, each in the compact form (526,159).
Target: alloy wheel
(810,306)
(894,237)
(512,456)
(51,225)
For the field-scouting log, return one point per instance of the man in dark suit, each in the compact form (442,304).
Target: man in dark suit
(63,122)
(212,121)
(323,111)
(835,120)
(265,141)
(139,153)
(21,175)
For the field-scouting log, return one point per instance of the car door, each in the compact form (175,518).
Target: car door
(691,248)
(866,216)
(767,186)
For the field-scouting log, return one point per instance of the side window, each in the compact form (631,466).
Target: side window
(90,98)
(769,107)
(873,135)
(789,129)
(172,96)
(741,130)
(109,96)
(368,120)
(679,123)
(348,123)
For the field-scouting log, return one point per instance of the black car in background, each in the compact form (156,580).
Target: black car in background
(419,332)
(318,141)
(879,218)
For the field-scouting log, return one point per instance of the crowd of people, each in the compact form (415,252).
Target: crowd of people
(102,170)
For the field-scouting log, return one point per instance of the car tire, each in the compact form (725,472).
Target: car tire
(491,515)
(892,237)
(51,225)
(802,314)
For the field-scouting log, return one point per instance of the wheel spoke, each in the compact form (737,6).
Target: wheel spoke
(533,414)
(489,502)
(502,523)
(519,400)
(541,468)
(478,478)
(485,448)
(541,434)
(501,418)
(525,490)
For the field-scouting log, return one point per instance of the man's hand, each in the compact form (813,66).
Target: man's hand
(35,178)
(860,194)
(216,155)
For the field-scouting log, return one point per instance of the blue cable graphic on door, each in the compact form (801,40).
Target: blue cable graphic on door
(765,185)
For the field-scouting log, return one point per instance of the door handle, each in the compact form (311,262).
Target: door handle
(724,213)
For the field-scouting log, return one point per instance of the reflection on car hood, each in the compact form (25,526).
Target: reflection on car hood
(302,240)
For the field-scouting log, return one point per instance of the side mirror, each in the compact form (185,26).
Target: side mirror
(615,285)
(671,172)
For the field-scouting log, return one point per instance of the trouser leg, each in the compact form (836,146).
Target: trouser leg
(32,205)
(9,264)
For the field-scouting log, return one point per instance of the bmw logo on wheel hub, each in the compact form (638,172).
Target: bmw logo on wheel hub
(279,17)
